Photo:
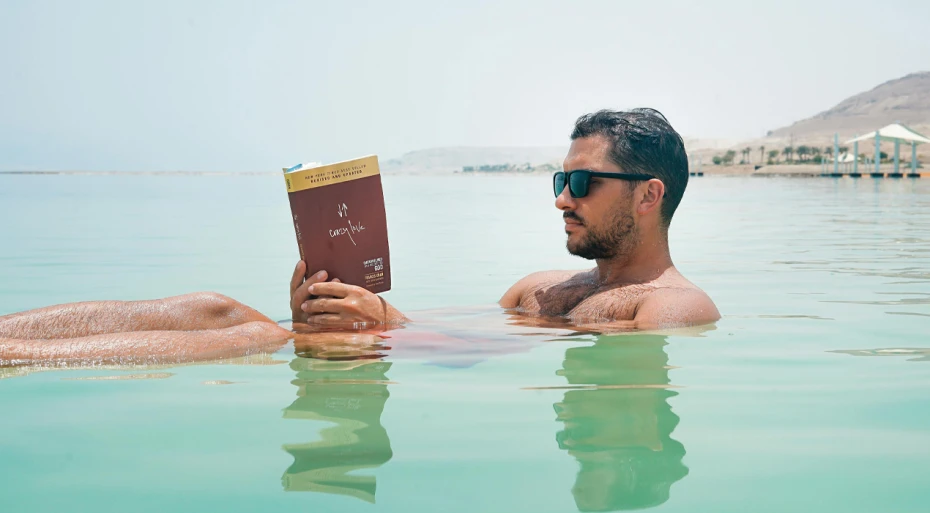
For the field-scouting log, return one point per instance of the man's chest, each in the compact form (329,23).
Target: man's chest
(583,301)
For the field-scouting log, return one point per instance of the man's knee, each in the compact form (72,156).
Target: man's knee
(223,310)
(212,303)
(258,331)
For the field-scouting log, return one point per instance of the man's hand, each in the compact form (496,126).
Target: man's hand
(344,304)
(316,301)
(300,290)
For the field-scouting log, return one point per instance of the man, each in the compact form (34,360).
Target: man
(625,175)
(623,179)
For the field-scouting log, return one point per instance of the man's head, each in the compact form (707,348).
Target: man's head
(611,219)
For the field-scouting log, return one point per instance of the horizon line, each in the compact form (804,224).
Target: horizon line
(78,172)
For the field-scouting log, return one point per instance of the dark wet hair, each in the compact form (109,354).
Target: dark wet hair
(642,141)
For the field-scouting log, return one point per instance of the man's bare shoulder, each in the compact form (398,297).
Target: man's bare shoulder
(682,304)
(537,280)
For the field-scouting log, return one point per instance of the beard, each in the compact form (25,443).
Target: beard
(616,238)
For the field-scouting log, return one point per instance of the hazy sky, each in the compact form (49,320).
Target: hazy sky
(242,85)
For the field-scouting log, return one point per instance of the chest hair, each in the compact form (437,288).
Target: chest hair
(584,299)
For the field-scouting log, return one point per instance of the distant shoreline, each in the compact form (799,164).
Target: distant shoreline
(140,173)
(805,171)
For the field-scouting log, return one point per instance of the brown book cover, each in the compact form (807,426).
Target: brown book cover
(338,213)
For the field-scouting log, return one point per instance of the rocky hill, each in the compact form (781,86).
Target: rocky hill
(905,100)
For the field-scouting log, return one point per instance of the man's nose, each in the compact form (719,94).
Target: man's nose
(565,201)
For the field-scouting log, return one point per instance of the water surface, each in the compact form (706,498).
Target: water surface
(810,395)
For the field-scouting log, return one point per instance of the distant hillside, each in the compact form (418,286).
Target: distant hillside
(905,100)
(447,160)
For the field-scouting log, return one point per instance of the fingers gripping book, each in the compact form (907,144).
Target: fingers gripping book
(339,219)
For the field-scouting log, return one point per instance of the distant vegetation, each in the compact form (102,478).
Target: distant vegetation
(726,159)
(802,154)
(512,168)
(440,161)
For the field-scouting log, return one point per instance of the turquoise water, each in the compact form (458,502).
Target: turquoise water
(810,395)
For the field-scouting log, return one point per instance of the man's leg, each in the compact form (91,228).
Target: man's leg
(148,346)
(198,311)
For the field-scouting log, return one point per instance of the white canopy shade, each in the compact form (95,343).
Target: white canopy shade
(893,132)
(848,157)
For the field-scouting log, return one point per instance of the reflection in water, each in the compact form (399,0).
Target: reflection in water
(16,371)
(619,424)
(350,394)
(919,354)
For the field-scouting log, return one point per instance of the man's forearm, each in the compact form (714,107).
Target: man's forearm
(199,311)
(148,346)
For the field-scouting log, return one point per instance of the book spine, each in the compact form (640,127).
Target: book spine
(300,242)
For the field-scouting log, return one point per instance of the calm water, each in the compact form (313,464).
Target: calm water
(813,393)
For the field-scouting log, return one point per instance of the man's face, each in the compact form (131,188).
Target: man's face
(600,225)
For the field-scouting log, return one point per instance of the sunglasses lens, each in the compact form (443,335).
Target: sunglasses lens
(558,183)
(578,184)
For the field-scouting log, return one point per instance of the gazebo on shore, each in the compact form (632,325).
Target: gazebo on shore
(896,133)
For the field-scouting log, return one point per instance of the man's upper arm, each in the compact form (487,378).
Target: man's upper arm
(671,308)
(511,298)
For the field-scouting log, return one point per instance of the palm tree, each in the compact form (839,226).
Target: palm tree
(803,151)
(815,154)
(728,157)
(746,151)
(787,152)
(773,155)
(761,154)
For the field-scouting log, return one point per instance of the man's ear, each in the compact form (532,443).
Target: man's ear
(653,192)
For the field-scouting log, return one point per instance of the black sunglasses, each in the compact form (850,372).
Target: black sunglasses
(579,180)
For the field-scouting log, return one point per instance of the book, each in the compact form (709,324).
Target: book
(340,222)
